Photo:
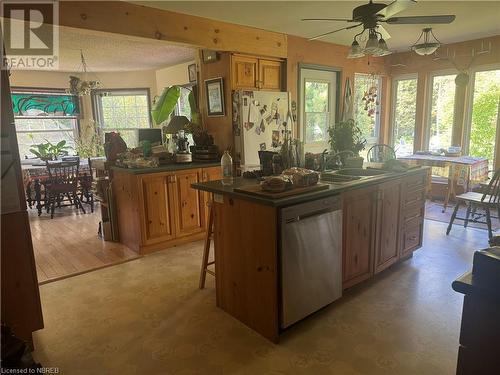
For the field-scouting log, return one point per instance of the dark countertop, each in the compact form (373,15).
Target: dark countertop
(166,168)
(334,188)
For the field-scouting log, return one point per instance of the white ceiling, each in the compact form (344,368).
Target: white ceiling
(474,19)
(105,52)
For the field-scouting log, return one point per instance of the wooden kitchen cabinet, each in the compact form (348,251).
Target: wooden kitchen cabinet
(388,225)
(253,73)
(358,235)
(160,209)
(158,201)
(188,203)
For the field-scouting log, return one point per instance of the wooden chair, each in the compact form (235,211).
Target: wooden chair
(206,251)
(86,180)
(62,181)
(488,200)
(380,153)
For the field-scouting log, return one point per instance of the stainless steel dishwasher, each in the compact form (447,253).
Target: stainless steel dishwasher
(311,258)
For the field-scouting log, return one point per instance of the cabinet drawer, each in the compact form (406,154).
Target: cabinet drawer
(412,238)
(416,182)
(414,197)
(412,212)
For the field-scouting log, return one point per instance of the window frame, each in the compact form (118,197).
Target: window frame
(49,91)
(428,114)
(97,105)
(395,79)
(469,107)
(188,86)
(378,119)
(335,111)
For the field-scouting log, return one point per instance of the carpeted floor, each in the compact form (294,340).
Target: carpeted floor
(433,211)
(148,317)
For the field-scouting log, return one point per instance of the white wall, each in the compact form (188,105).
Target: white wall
(172,75)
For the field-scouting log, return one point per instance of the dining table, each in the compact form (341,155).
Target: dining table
(465,171)
(36,175)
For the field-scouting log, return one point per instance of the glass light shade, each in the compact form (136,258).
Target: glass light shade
(383,50)
(425,49)
(372,44)
(355,51)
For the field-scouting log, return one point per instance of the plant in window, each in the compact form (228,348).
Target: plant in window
(346,136)
(90,141)
(50,151)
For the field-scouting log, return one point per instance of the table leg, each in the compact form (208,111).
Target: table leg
(38,196)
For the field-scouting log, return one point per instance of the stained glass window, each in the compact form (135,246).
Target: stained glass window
(42,104)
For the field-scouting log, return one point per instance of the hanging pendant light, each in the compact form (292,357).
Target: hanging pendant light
(371,46)
(428,46)
(80,85)
(383,50)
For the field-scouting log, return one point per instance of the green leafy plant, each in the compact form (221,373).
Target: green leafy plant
(165,105)
(50,151)
(346,136)
(90,143)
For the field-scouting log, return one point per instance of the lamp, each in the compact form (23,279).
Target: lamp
(176,124)
(371,46)
(383,50)
(355,51)
(428,47)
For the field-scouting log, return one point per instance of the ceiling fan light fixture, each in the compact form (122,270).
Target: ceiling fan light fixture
(355,51)
(371,46)
(383,50)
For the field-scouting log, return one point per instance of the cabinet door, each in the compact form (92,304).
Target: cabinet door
(388,225)
(244,72)
(158,217)
(269,75)
(358,232)
(189,218)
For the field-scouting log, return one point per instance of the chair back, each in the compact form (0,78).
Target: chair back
(492,192)
(63,175)
(87,176)
(380,153)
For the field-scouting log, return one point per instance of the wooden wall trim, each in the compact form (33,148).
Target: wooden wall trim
(141,21)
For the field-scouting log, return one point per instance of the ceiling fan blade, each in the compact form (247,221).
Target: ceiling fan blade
(334,31)
(415,20)
(395,7)
(327,19)
(385,34)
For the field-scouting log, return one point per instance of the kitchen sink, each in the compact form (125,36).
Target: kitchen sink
(337,178)
(360,172)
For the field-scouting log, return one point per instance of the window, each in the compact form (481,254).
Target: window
(318,107)
(366,105)
(403,114)
(44,116)
(442,108)
(484,117)
(123,111)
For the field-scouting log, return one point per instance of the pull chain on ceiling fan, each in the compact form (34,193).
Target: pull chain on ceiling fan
(370,16)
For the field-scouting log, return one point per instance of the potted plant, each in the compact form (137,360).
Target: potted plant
(90,142)
(49,151)
(346,136)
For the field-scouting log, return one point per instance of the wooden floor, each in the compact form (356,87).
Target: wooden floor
(68,244)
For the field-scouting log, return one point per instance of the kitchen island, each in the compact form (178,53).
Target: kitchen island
(156,207)
(381,223)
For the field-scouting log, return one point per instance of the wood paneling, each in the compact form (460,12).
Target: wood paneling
(246,264)
(140,21)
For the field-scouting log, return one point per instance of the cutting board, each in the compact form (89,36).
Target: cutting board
(256,190)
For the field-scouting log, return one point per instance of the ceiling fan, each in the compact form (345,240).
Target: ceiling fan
(372,14)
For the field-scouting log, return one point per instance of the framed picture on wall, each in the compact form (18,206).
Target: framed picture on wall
(192,72)
(214,89)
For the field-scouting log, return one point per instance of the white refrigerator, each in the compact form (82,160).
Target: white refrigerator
(261,119)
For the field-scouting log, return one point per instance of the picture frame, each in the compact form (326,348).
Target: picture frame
(214,91)
(192,73)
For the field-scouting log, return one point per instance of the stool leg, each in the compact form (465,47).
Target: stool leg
(206,250)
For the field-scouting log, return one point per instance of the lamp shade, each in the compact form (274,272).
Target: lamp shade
(355,51)
(425,49)
(372,44)
(176,123)
(382,50)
